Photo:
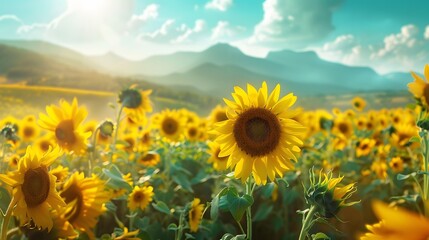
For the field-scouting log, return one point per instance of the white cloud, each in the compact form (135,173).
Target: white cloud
(403,51)
(224,31)
(289,23)
(9,25)
(149,13)
(427,32)
(182,34)
(220,5)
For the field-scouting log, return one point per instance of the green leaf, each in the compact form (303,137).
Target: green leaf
(414,139)
(162,207)
(172,227)
(214,205)
(115,178)
(111,207)
(238,205)
(401,177)
(183,181)
(229,236)
(189,236)
(263,212)
(4,199)
(319,236)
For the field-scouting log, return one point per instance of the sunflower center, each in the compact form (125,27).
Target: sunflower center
(65,132)
(28,131)
(343,127)
(44,145)
(130,98)
(170,126)
(426,93)
(138,197)
(146,138)
(147,157)
(73,195)
(257,131)
(221,116)
(193,215)
(36,186)
(192,132)
(364,146)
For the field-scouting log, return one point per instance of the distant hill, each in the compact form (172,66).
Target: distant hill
(221,66)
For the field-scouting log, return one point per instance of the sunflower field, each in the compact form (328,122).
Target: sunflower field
(257,167)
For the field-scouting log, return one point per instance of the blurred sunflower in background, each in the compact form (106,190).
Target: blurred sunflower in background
(260,135)
(170,124)
(420,87)
(219,163)
(140,197)
(149,159)
(34,191)
(359,103)
(136,103)
(195,214)
(64,122)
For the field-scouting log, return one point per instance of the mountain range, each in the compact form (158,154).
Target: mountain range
(213,71)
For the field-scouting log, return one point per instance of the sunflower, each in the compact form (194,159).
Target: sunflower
(149,159)
(140,197)
(343,126)
(195,214)
(219,163)
(397,164)
(365,147)
(192,132)
(126,235)
(64,123)
(28,131)
(359,103)
(396,224)
(380,168)
(145,140)
(61,230)
(61,173)
(129,142)
(402,134)
(420,87)
(218,114)
(34,190)
(120,191)
(188,117)
(169,124)
(136,104)
(12,159)
(43,143)
(85,199)
(260,135)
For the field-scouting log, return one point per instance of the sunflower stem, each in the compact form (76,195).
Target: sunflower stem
(180,231)
(307,221)
(94,144)
(249,191)
(6,219)
(115,138)
(425,175)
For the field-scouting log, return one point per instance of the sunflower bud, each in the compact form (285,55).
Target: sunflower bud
(327,196)
(106,128)
(9,132)
(130,98)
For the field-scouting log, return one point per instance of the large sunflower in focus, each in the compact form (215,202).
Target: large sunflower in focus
(85,199)
(260,136)
(34,190)
(64,122)
(420,87)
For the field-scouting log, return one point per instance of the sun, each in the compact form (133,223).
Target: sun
(88,7)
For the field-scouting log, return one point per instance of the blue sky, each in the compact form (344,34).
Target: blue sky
(386,35)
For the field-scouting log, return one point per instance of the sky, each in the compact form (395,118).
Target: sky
(387,35)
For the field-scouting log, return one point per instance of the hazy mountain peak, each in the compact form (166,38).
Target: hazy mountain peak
(223,48)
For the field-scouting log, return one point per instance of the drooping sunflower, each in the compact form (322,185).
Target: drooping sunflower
(359,103)
(219,163)
(64,122)
(420,87)
(34,191)
(149,159)
(260,135)
(195,214)
(396,224)
(140,197)
(136,104)
(170,125)
(85,199)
